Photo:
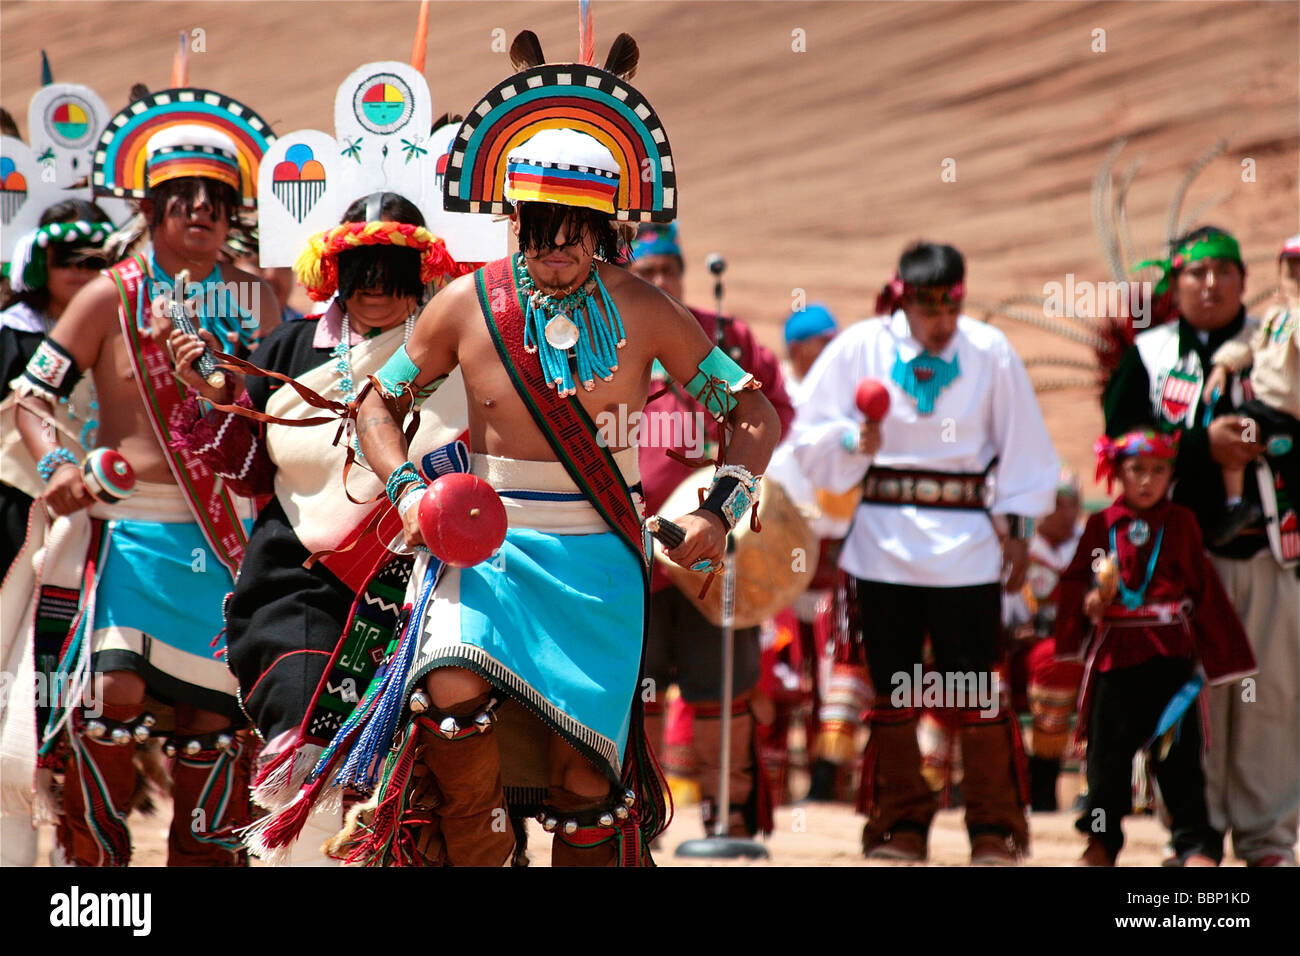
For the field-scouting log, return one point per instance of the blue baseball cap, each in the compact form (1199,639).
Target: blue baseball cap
(809,323)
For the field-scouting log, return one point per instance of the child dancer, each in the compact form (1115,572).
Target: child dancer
(1142,606)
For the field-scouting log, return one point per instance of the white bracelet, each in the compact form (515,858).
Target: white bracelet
(746,477)
(408,500)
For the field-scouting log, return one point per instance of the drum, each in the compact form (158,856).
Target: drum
(773,567)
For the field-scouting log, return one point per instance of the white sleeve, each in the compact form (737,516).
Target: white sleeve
(1026,474)
(826,416)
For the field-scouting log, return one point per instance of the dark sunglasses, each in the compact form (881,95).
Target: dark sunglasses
(76,259)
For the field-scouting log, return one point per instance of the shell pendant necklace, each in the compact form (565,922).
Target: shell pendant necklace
(577,332)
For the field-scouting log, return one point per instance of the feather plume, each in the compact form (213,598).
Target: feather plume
(1103,207)
(181,62)
(623,57)
(132,236)
(1172,227)
(526,51)
(420,41)
(586,34)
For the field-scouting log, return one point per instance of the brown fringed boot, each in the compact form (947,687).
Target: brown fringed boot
(464,759)
(993,785)
(98,787)
(210,798)
(898,803)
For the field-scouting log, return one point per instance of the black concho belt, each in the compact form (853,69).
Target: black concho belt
(929,489)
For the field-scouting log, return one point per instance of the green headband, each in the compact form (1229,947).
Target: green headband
(1217,245)
(29,268)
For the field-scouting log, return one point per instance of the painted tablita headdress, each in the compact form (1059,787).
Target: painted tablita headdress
(64,121)
(571,134)
(182,132)
(385,140)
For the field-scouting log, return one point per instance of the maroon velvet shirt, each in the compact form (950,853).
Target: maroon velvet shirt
(1182,571)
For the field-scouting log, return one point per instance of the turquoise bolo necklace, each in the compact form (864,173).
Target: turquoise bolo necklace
(1134,598)
(570,330)
(924,377)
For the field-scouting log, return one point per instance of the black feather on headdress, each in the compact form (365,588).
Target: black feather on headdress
(446,119)
(526,51)
(623,57)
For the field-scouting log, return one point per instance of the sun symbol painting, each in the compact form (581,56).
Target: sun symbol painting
(383,103)
(70,120)
(65,121)
(298,180)
(13,190)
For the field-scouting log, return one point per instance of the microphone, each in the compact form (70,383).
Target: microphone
(717,265)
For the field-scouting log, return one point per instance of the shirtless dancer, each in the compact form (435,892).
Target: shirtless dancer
(155,614)
(555,622)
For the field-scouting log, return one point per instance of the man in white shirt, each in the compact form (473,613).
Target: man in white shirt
(950,480)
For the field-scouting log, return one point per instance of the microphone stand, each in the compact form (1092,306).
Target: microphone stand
(718,845)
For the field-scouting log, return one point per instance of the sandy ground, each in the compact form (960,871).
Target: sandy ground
(805,835)
(811,141)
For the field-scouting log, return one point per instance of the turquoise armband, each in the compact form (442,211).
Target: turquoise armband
(397,374)
(716,383)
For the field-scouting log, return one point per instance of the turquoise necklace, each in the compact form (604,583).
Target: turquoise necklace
(1130,598)
(924,377)
(571,330)
(228,316)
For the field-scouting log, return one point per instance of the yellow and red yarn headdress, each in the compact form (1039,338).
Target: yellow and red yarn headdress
(317,267)
(1144,441)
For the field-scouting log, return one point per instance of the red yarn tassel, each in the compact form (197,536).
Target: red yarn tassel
(286,825)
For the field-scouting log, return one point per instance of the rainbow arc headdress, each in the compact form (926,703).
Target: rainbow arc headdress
(193,132)
(518,141)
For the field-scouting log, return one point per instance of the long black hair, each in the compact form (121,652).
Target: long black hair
(541,222)
(391,269)
(223,198)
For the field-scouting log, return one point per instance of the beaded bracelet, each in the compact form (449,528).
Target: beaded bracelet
(52,460)
(410,499)
(401,475)
(733,491)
